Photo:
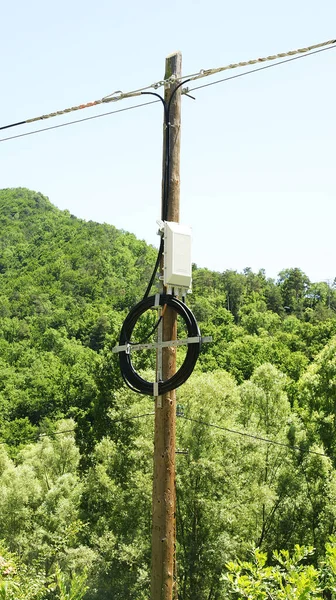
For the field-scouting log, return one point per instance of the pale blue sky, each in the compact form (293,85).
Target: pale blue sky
(258,166)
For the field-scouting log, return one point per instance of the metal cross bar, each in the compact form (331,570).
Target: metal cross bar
(154,345)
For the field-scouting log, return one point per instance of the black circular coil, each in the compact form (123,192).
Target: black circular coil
(131,377)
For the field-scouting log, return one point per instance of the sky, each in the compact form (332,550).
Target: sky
(258,181)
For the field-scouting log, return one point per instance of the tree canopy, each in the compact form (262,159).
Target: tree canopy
(255,484)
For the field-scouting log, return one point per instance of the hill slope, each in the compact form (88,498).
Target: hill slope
(85,498)
(66,284)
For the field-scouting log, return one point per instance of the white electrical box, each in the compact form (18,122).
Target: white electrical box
(177,255)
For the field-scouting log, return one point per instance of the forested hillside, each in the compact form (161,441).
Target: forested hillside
(76,444)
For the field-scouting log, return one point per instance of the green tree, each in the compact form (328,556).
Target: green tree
(294,285)
(317,398)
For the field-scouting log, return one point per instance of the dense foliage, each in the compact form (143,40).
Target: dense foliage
(76,473)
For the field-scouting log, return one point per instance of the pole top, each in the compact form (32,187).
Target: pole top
(174,65)
(173,54)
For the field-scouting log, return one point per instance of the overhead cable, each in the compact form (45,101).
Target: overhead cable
(254,437)
(280,62)
(200,422)
(208,72)
(166,175)
(63,431)
(185,92)
(113,98)
(112,112)
(119,95)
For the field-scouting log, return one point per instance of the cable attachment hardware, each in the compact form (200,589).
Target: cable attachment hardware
(117,95)
(158,84)
(160,223)
(126,347)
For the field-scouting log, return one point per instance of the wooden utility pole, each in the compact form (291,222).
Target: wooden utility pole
(164,528)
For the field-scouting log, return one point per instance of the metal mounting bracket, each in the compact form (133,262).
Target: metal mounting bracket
(128,348)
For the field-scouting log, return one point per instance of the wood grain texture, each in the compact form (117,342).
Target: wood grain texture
(164,526)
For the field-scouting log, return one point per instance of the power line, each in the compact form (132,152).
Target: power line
(119,95)
(254,61)
(281,62)
(13,137)
(115,97)
(54,433)
(185,92)
(134,417)
(205,423)
(250,435)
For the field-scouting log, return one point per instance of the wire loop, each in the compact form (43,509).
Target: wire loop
(130,376)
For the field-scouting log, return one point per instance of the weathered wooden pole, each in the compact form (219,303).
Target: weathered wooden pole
(164,529)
